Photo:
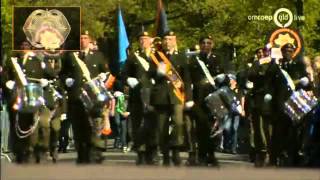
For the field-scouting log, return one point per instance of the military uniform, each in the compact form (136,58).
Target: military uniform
(285,141)
(87,141)
(261,113)
(143,126)
(55,100)
(201,89)
(38,141)
(168,105)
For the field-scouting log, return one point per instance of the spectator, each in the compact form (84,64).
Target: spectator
(121,119)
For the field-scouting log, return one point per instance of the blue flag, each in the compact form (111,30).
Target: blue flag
(123,41)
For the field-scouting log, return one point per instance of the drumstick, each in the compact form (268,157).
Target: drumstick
(39,80)
(34,79)
(19,71)
(100,73)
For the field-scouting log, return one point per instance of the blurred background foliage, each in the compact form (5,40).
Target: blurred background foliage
(236,38)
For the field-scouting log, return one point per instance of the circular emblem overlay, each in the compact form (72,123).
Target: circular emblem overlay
(46,29)
(283,36)
(283,17)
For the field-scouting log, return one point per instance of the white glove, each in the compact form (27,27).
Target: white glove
(103,76)
(69,82)
(304,81)
(153,81)
(267,98)
(132,82)
(189,104)
(162,69)
(239,109)
(249,85)
(63,117)
(10,84)
(44,82)
(117,94)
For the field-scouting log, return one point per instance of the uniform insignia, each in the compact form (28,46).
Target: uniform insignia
(282,36)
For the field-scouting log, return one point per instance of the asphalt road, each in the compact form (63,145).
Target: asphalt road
(120,165)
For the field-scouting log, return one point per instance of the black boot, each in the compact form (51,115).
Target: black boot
(54,154)
(97,156)
(141,158)
(166,159)
(176,159)
(37,155)
(151,156)
(191,161)
(260,160)
(202,159)
(212,160)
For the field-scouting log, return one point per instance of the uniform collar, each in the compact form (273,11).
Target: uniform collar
(146,53)
(172,52)
(87,51)
(206,56)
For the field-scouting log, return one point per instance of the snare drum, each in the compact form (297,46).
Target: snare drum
(52,97)
(299,104)
(217,104)
(29,98)
(94,93)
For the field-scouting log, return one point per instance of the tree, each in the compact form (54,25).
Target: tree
(226,20)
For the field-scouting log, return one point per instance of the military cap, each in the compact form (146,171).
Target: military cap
(169,33)
(205,37)
(143,33)
(288,45)
(85,32)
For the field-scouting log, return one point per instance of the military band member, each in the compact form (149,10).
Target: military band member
(9,94)
(203,67)
(35,122)
(169,95)
(137,78)
(260,113)
(284,78)
(55,99)
(88,142)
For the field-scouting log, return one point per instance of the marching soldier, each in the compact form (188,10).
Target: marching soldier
(137,77)
(260,113)
(203,68)
(9,93)
(55,100)
(170,94)
(31,125)
(283,79)
(85,123)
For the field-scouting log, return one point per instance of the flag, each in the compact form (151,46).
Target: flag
(161,20)
(123,41)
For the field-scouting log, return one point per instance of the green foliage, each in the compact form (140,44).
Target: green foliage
(226,20)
